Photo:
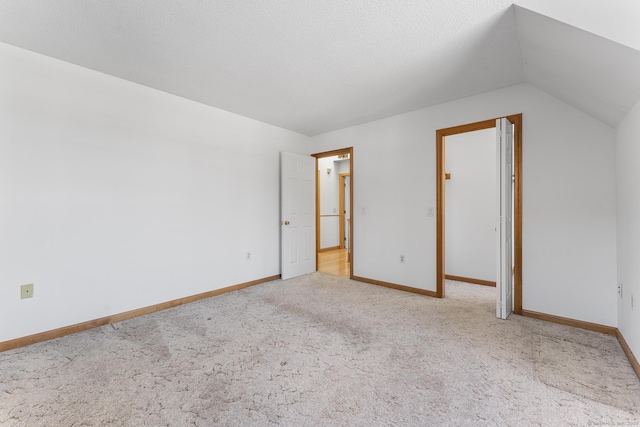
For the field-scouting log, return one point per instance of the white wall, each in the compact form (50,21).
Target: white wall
(470,205)
(114,196)
(628,186)
(569,266)
(342,166)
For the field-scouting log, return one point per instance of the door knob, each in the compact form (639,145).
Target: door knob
(286,223)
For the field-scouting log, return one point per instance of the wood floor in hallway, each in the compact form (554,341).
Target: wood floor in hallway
(335,262)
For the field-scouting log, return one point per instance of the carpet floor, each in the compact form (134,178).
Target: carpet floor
(323,350)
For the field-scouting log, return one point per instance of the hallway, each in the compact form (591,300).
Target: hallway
(335,262)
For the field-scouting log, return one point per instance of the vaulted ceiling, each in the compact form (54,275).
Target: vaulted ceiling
(595,74)
(315,66)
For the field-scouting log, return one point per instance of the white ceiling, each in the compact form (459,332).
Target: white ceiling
(307,65)
(592,73)
(616,20)
(311,66)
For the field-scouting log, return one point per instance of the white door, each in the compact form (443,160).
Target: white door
(347,210)
(297,215)
(504,276)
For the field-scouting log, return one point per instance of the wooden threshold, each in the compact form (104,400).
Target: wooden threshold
(470,280)
(332,248)
(395,286)
(79,327)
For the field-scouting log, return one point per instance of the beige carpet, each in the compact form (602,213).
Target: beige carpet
(323,350)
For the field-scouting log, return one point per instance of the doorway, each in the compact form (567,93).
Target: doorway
(470,207)
(441,134)
(334,224)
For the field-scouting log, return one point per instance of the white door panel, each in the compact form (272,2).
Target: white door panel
(347,210)
(298,215)
(504,180)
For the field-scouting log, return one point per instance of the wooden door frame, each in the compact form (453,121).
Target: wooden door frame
(341,204)
(349,151)
(516,119)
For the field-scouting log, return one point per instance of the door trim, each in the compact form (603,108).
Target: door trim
(349,151)
(516,119)
(341,205)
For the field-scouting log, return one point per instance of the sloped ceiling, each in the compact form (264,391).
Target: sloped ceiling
(592,73)
(306,65)
(315,66)
(615,20)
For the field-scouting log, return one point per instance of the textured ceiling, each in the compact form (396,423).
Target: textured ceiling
(311,66)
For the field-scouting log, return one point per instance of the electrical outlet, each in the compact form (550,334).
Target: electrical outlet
(26,291)
(402,259)
(248,256)
(632,301)
(620,289)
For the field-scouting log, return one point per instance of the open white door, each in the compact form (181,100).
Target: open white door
(504,276)
(347,211)
(297,215)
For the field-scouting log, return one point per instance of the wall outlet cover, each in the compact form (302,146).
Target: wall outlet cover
(26,291)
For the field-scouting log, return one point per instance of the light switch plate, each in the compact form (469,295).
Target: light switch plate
(26,291)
